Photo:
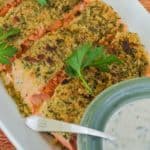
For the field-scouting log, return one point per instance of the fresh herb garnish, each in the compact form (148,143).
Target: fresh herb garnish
(7,51)
(42,2)
(88,56)
(6,34)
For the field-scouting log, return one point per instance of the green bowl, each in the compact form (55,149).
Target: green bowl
(104,106)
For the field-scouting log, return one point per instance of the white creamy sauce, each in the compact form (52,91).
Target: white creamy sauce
(131,127)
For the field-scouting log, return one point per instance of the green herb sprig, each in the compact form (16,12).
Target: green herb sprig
(88,56)
(7,51)
(42,2)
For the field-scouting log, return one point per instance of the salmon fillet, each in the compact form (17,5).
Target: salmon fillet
(59,45)
(54,48)
(34,69)
(70,99)
(43,28)
(29,15)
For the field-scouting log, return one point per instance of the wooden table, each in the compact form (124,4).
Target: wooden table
(5,144)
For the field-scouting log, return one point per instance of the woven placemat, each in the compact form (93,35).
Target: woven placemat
(4,142)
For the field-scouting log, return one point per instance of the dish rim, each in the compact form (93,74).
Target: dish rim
(101,110)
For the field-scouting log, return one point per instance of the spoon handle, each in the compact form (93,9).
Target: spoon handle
(49,125)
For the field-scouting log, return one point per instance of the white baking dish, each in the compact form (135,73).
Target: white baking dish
(11,122)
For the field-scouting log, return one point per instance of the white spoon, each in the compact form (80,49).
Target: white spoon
(41,124)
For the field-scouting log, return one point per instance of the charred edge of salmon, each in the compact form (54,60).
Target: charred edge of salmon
(66,143)
(53,83)
(36,101)
(8,6)
(38,33)
(66,19)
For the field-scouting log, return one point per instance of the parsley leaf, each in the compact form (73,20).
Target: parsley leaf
(7,51)
(42,2)
(88,56)
(75,62)
(7,34)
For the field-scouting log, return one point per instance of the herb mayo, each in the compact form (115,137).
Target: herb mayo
(131,127)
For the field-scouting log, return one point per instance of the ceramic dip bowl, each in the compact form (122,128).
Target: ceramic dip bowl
(122,111)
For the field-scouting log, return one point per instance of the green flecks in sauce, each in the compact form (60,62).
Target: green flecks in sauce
(130,126)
